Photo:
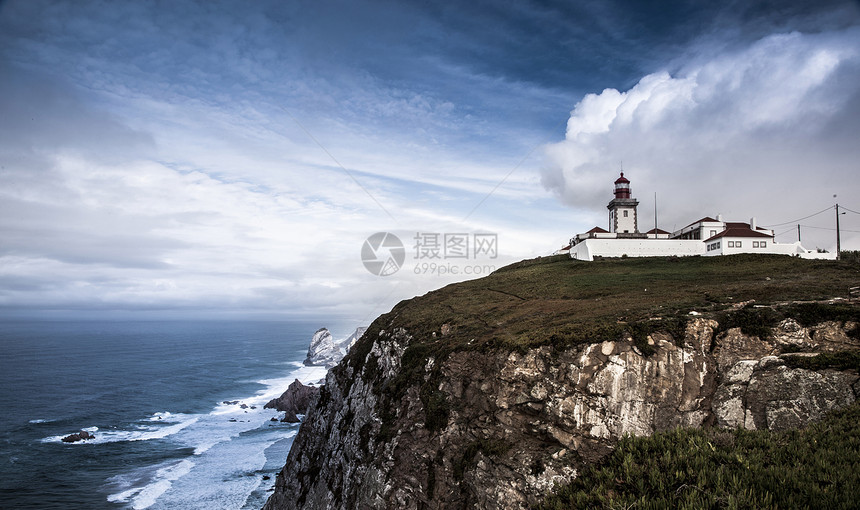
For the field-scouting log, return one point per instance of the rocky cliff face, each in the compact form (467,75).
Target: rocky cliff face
(496,428)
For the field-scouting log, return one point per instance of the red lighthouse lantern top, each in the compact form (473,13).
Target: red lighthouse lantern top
(622,187)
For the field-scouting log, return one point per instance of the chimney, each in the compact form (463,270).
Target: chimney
(752,223)
(719,217)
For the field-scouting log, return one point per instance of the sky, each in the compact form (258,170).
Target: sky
(218,160)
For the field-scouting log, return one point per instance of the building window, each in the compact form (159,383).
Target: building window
(737,244)
(755,244)
(718,245)
(713,233)
(731,244)
(763,244)
(625,214)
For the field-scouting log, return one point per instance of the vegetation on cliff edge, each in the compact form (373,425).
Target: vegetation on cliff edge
(814,467)
(559,301)
(562,302)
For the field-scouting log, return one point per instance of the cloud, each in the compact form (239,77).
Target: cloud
(759,131)
(189,216)
(151,157)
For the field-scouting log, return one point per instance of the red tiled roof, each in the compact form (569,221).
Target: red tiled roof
(739,232)
(659,231)
(597,230)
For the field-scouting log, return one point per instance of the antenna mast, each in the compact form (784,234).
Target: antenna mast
(655,215)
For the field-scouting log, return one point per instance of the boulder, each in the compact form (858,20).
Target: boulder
(78,436)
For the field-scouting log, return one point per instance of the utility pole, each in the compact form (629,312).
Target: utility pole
(798,232)
(838,240)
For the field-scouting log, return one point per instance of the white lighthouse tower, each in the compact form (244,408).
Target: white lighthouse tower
(622,209)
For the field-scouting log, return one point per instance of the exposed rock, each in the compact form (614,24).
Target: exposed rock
(833,336)
(295,400)
(325,351)
(519,422)
(78,436)
(735,346)
(322,350)
(351,339)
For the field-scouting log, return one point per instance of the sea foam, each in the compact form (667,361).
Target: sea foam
(229,445)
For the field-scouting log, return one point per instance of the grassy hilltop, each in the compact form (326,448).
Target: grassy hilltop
(563,302)
(559,301)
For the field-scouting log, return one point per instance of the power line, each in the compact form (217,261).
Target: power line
(847,209)
(784,232)
(801,219)
(831,229)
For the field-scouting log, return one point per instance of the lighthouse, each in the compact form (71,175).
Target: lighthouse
(622,209)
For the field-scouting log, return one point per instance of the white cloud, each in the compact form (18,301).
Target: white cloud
(751,133)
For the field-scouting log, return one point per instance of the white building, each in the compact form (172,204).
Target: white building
(707,236)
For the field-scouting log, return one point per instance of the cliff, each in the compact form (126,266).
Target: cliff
(487,393)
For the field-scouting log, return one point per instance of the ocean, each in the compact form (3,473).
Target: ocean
(159,398)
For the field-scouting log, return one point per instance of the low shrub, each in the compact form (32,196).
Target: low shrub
(815,467)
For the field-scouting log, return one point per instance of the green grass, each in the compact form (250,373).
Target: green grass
(560,302)
(815,467)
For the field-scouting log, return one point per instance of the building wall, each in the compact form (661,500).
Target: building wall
(702,230)
(728,246)
(620,223)
(590,248)
(732,245)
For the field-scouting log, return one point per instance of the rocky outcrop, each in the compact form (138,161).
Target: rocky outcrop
(295,400)
(497,429)
(347,344)
(324,350)
(78,436)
